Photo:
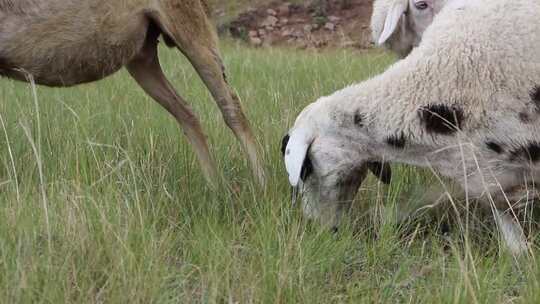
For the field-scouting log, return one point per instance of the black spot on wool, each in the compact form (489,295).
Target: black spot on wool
(359,119)
(284,143)
(381,171)
(441,118)
(530,152)
(397,141)
(524,117)
(535,96)
(495,147)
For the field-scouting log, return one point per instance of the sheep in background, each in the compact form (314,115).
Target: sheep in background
(399,24)
(69,42)
(465,102)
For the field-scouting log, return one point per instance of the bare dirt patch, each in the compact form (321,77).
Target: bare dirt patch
(339,23)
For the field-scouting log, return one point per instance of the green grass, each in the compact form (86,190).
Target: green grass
(102,201)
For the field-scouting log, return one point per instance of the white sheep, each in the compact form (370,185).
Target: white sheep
(465,102)
(399,24)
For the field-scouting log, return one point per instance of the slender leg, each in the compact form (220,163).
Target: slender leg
(510,230)
(146,70)
(197,40)
(208,64)
(512,233)
(519,196)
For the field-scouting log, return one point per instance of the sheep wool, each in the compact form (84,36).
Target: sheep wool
(465,102)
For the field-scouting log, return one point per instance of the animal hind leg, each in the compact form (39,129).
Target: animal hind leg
(503,205)
(146,70)
(511,232)
(506,213)
(208,64)
(199,45)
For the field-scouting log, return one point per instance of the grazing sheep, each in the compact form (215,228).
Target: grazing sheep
(399,24)
(465,102)
(69,42)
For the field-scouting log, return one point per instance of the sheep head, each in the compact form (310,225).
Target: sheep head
(324,165)
(400,24)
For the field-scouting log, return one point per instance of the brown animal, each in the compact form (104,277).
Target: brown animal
(69,42)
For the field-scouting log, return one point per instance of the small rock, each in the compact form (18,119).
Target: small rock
(284,9)
(284,21)
(253,34)
(298,20)
(271,12)
(320,43)
(255,41)
(298,34)
(349,43)
(270,21)
(315,26)
(287,33)
(219,12)
(330,26)
(269,28)
(262,32)
(308,28)
(334,19)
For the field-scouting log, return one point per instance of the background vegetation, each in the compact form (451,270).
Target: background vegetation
(102,201)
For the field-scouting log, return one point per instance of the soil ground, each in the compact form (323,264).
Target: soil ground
(303,24)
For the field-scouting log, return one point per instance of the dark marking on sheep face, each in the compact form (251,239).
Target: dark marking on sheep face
(307,168)
(495,147)
(381,170)
(535,97)
(397,141)
(359,119)
(284,143)
(531,152)
(441,118)
(4,63)
(4,66)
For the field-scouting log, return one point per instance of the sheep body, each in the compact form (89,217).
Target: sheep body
(465,102)
(68,42)
(77,41)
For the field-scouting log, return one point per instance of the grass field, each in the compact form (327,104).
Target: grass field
(102,201)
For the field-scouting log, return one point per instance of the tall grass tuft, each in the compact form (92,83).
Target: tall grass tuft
(102,201)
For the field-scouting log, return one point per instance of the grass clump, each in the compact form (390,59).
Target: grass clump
(102,201)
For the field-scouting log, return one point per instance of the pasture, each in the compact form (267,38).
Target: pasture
(102,201)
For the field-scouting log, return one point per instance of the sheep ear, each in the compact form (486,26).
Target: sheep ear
(295,154)
(393,16)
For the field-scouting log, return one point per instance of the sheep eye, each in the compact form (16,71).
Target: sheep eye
(421,5)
